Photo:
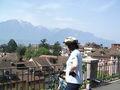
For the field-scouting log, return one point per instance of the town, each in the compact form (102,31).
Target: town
(36,66)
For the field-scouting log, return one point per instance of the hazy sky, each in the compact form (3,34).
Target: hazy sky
(100,17)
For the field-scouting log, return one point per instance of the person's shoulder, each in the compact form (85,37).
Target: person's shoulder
(76,51)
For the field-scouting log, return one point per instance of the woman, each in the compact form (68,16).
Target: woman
(74,76)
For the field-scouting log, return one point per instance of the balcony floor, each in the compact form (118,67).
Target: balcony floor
(112,86)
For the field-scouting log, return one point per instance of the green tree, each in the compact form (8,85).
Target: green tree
(4,47)
(44,43)
(56,49)
(21,50)
(12,46)
(42,51)
(29,53)
(29,45)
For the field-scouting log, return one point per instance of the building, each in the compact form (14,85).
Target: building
(115,46)
(89,47)
(33,74)
(109,58)
(16,77)
(13,57)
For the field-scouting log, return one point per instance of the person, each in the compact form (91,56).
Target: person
(74,77)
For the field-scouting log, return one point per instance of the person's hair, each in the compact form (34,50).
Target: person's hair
(73,46)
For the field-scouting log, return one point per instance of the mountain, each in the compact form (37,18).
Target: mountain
(25,33)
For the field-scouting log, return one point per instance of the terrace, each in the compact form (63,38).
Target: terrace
(45,77)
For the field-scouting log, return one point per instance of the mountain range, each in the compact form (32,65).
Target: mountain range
(25,33)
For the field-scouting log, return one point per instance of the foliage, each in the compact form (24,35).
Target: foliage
(56,49)
(42,51)
(44,43)
(4,47)
(21,50)
(12,46)
(84,67)
(29,52)
(107,77)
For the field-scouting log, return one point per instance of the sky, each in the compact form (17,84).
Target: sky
(100,17)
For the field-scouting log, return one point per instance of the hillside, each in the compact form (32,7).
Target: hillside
(25,33)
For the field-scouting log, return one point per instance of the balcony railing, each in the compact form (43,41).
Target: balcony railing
(46,77)
(109,70)
(30,78)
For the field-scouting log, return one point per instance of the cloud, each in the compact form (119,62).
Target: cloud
(105,7)
(26,5)
(50,6)
(21,4)
(64,19)
(70,22)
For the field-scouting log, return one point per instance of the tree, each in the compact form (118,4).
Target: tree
(12,46)
(21,50)
(56,49)
(4,47)
(29,53)
(42,51)
(44,43)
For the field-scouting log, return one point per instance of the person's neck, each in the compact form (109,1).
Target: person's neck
(72,50)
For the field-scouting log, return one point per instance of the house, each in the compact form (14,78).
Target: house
(18,79)
(13,57)
(109,58)
(42,62)
(89,47)
(1,48)
(4,65)
(115,46)
(64,51)
(61,62)
(103,53)
(56,60)
(29,74)
(50,58)
(81,49)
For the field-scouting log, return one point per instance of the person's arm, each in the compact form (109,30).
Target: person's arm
(75,64)
(74,67)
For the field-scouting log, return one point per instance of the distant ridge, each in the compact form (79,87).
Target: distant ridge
(25,33)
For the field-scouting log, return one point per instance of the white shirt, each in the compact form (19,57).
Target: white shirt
(75,57)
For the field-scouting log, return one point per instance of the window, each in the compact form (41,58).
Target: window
(53,60)
(21,88)
(1,87)
(9,86)
(13,85)
(33,88)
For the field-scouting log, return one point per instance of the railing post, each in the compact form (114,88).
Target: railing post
(92,65)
